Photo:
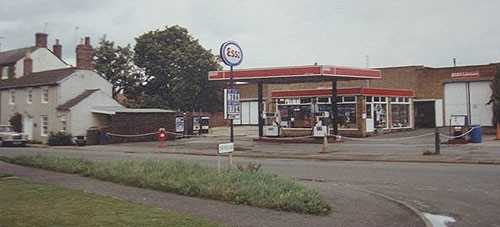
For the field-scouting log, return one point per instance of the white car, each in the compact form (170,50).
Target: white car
(9,137)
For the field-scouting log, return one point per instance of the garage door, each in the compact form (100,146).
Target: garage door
(469,98)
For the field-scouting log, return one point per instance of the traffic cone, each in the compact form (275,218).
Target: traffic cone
(498,131)
(325,148)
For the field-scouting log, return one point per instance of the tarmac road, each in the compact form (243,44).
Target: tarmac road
(393,192)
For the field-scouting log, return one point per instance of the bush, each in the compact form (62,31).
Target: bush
(60,139)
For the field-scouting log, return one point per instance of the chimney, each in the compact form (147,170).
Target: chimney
(57,49)
(41,40)
(84,54)
(28,64)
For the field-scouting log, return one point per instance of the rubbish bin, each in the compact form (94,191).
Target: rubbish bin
(476,134)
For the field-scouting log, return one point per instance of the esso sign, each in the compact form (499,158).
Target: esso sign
(231,53)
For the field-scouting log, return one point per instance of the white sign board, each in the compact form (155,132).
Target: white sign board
(226,148)
(232,104)
(179,124)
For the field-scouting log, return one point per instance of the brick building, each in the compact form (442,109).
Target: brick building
(430,97)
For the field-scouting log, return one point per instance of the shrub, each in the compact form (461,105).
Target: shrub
(60,139)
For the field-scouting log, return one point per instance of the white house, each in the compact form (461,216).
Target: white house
(54,97)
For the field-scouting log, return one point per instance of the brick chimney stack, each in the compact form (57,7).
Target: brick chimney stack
(57,49)
(84,54)
(28,64)
(41,40)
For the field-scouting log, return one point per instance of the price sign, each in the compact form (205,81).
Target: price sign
(232,104)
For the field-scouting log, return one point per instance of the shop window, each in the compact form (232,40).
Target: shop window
(376,99)
(382,99)
(393,99)
(368,99)
(296,116)
(347,116)
(400,115)
(339,99)
(323,100)
(350,99)
(281,101)
(380,114)
(305,100)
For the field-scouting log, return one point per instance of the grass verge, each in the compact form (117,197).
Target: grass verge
(191,179)
(26,203)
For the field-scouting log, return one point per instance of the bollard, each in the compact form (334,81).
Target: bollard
(437,142)
(498,131)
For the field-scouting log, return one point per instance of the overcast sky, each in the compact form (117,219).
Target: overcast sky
(277,32)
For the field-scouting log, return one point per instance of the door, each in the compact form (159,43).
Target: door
(28,127)
(370,124)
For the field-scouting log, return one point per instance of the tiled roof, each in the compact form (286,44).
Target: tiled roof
(12,56)
(74,101)
(44,78)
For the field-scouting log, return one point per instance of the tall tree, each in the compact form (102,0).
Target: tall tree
(116,65)
(176,68)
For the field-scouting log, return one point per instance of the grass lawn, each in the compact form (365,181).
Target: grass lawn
(26,203)
(243,186)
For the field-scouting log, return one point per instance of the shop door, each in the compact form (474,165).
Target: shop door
(370,124)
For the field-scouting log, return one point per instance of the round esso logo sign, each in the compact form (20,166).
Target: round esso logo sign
(231,53)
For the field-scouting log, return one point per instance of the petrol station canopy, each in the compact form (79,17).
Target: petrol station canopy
(296,74)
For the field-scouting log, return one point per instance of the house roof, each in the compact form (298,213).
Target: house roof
(74,101)
(12,56)
(44,78)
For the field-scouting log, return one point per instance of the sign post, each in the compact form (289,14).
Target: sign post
(232,55)
(225,148)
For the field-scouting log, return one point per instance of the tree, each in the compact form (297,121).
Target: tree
(495,96)
(176,70)
(116,65)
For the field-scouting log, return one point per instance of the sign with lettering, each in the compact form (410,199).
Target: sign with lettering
(226,148)
(465,75)
(231,53)
(232,104)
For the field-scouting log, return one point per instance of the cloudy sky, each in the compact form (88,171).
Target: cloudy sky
(272,33)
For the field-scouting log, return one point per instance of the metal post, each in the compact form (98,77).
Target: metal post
(231,82)
(437,141)
(335,115)
(261,120)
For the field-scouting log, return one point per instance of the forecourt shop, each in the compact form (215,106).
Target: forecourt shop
(367,101)
(298,99)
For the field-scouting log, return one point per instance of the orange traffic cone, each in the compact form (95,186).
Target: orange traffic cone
(498,131)
(325,148)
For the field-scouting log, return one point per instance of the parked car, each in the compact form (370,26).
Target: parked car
(9,137)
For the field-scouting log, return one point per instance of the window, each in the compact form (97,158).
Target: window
(349,98)
(347,116)
(29,98)
(45,126)
(400,116)
(12,97)
(45,95)
(5,73)
(63,124)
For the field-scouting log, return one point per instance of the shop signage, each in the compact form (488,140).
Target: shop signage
(232,103)
(231,53)
(179,124)
(465,75)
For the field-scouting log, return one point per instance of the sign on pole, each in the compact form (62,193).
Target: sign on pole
(226,148)
(231,53)
(232,104)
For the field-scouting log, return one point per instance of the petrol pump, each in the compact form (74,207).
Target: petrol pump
(322,122)
(271,127)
